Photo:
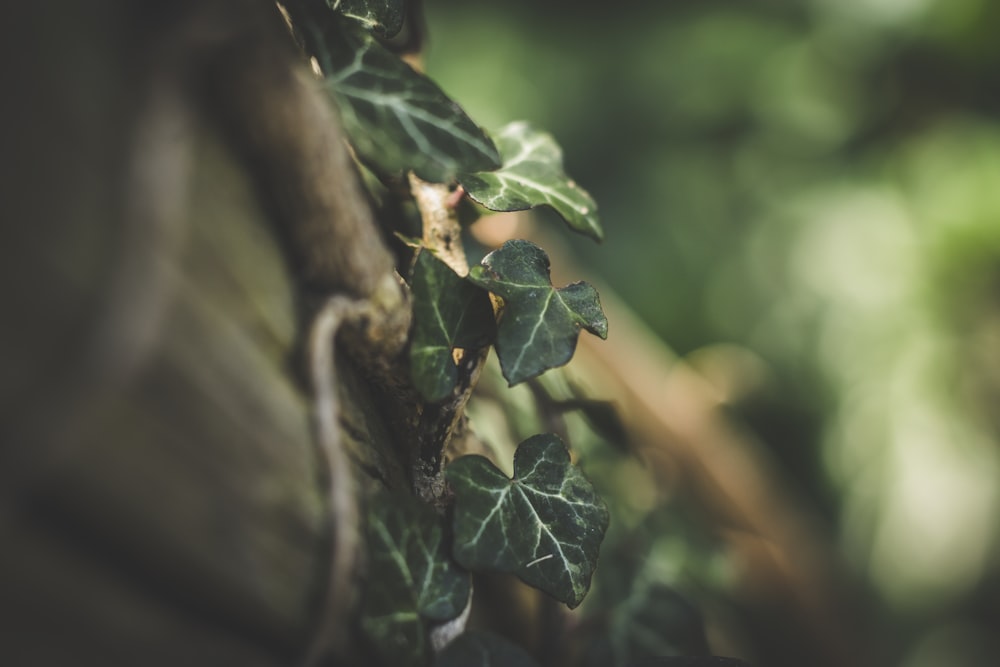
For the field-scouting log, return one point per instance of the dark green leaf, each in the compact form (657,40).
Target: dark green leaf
(540,324)
(384,17)
(397,119)
(545,525)
(448,312)
(532,175)
(482,649)
(412,582)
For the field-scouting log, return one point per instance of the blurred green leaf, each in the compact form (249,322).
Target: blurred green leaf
(482,649)
(540,324)
(397,119)
(657,621)
(448,312)
(603,417)
(532,175)
(384,17)
(545,525)
(412,581)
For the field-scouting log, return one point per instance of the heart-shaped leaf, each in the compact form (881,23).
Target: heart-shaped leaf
(384,17)
(532,175)
(397,119)
(545,525)
(448,312)
(483,649)
(413,582)
(540,324)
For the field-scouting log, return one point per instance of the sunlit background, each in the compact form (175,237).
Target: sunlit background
(818,183)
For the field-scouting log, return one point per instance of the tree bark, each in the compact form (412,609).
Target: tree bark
(162,496)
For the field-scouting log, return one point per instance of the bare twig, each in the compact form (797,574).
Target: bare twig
(442,231)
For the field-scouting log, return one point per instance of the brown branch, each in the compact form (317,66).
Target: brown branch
(442,423)
(442,232)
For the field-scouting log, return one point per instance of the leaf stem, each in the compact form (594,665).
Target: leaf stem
(442,232)
(442,424)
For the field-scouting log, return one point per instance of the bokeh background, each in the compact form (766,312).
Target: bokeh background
(805,197)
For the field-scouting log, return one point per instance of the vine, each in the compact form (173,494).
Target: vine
(418,149)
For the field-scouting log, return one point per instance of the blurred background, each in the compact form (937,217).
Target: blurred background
(803,199)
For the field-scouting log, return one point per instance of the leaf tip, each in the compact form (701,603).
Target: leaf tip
(600,327)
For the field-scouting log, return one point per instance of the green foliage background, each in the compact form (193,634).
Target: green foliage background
(818,184)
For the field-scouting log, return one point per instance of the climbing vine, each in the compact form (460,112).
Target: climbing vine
(417,149)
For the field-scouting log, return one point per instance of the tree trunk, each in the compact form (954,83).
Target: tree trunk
(162,498)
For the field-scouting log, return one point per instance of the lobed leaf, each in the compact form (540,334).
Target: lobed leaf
(482,649)
(532,175)
(448,312)
(540,324)
(412,582)
(397,119)
(545,525)
(384,17)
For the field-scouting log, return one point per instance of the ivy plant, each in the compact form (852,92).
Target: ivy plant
(540,323)
(449,313)
(414,583)
(383,17)
(546,523)
(398,120)
(532,175)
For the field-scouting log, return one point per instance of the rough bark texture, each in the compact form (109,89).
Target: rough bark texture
(162,498)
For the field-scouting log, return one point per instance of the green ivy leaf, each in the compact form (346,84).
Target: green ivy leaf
(540,324)
(384,17)
(448,312)
(397,119)
(532,175)
(545,525)
(483,649)
(412,582)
